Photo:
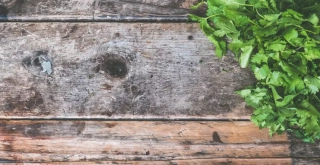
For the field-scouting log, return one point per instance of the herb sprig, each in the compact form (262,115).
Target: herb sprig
(279,40)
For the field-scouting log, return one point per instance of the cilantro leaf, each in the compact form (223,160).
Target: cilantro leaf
(314,19)
(262,73)
(245,55)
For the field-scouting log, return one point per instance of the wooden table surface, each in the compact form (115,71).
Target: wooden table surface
(133,82)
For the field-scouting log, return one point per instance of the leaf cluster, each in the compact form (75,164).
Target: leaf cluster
(279,40)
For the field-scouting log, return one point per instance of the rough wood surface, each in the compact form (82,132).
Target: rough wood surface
(52,141)
(89,10)
(306,150)
(309,151)
(306,161)
(112,70)
(221,161)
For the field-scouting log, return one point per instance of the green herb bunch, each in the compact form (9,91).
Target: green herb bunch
(279,40)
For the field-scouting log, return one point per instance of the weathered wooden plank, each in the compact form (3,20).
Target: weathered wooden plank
(306,161)
(143,8)
(300,149)
(306,150)
(51,141)
(221,161)
(90,10)
(28,10)
(114,70)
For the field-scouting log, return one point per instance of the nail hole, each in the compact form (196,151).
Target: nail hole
(190,37)
(147,153)
(151,76)
(117,34)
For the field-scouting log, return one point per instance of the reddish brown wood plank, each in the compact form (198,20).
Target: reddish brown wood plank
(90,10)
(221,161)
(113,70)
(51,141)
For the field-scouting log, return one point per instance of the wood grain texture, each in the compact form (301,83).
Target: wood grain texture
(221,161)
(28,10)
(114,70)
(52,141)
(306,161)
(143,7)
(309,151)
(90,10)
(305,150)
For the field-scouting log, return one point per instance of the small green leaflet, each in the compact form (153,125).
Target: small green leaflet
(221,46)
(196,6)
(262,73)
(314,20)
(245,56)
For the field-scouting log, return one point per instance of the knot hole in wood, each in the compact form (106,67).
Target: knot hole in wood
(39,60)
(113,65)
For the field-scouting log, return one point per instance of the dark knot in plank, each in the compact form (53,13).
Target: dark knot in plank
(113,65)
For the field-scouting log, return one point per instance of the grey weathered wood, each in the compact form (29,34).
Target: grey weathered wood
(99,10)
(305,150)
(80,141)
(111,70)
(29,10)
(300,149)
(142,7)
(306,161)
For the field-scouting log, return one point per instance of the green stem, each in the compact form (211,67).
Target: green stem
(212,16)
(259,14)
(304,29)
(243,4)
(253,23)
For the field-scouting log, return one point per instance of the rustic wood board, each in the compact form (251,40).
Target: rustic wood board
(74,141)
(114,70)
(309,151)
(93,10)
(221,161)
(306,150)
(307,161)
